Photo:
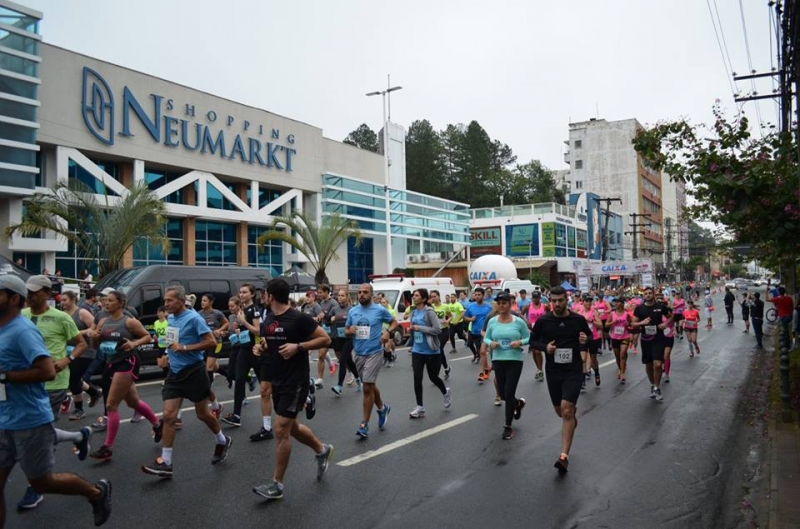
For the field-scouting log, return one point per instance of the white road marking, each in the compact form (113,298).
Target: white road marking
(191,408)
(408,440)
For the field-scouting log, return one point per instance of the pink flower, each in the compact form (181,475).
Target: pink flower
(713,167)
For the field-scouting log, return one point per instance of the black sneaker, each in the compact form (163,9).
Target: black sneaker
(158,468)
(562,464)
(221,451)
(262,435)
(103,453)
(232,419)
(158,431)
(82,446)
(518,409)
(102,505)
(311,406)
(508,433)
(93,399)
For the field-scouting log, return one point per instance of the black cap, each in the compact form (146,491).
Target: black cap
(503,296)
(536,294)
(587,297)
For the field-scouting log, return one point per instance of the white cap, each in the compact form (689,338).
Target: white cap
(36,283)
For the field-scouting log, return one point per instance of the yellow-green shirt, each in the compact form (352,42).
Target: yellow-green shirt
(57,329)
(442,312)
(160,329)
(457,310)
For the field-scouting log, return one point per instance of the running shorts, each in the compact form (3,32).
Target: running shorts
(190,383)
(617,344)
(368,367)
(289,397)
(32,447)
(126,366)
(669,342)
(564,385)
(594,346)
(653,350)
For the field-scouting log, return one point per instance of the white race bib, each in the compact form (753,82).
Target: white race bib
(504,344)
(619,331)
(172,335)
(362,332)
(650,330)
(563,356)
(668,332)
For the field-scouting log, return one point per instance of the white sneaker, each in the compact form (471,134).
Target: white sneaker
(350,379)
(498,401)
(417,413)
(137,417)
(318,382)
(448,397)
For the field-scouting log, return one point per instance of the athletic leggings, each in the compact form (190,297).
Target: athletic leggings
(507,373)
(245,361)
(474,343)
(445,334)
(434,363)
(77,369)
(346,360)
(456,330)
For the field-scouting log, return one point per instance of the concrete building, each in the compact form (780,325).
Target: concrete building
(224,169)
(602,161)
(676,230)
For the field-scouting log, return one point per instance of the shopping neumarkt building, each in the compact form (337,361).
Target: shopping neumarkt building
(223,168)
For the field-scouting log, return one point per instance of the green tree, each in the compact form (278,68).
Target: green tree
(363,138)
(425,162)
(701,240)
(99,231)
(531,183)
(318,242)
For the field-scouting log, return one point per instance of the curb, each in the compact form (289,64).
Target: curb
(774,515)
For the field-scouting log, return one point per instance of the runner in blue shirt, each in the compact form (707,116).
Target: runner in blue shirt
(476,314)
(365,324)
(425,350)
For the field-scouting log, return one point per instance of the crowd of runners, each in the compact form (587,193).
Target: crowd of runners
(51,357)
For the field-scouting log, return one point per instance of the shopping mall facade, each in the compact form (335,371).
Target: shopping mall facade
(224,169)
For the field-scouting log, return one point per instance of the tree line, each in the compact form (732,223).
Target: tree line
(463,163)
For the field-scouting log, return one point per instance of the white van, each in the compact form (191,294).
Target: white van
(513,285)
(397,290)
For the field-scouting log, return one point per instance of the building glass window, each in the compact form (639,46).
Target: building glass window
(265,196)
(19,42)
(360,262)
(578,184)
(268,256)
(147,253)
(215,243)
(215,198)
(578,164)
(71,264)
(156,178)
(88,179)
(19,20)
(578,144)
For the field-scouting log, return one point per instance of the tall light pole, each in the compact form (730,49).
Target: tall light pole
(387,209)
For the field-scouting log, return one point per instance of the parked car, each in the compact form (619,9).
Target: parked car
(730,283)
(741,284)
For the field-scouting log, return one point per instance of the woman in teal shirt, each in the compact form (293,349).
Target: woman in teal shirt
(425,331)
(505,336)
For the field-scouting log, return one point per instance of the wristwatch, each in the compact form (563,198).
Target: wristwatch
(3,378)
(300,348)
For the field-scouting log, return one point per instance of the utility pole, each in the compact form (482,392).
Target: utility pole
(608,202)
(635,225)
(669,243)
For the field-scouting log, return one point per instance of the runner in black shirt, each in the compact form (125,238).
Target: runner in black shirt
(652,317)
(286,337)
(564,337)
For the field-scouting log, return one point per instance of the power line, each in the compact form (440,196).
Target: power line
(728,70)
(750,65)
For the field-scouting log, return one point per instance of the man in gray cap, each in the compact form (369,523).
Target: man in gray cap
(59,331)
(26,417)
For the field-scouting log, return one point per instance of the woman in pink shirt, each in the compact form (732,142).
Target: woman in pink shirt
(603,309)
(618,325)
(536,310)
(596,325)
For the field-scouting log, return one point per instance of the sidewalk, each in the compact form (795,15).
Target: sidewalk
(784,511)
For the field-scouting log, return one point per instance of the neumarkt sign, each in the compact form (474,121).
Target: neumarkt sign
(181,125)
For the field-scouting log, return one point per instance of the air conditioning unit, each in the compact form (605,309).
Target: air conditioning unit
(413,259)
(423,258)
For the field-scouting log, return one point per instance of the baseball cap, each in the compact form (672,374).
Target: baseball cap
(106,291)
(13,284)
(36,283)
(503,296)
(536,294)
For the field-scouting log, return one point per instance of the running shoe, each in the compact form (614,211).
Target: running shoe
(652,392)
(273,491)
(337,389)
(137,417)
(82,446)
(498,401)
(383,415)
(221,451)
(483,377)
(666,379)
(453,351)
(619,374)
(101,507)
(100,424)
(30,500)
(363,430)
(597,379)
(393,358)
(77,415)
(318,383)
(311,406)
(508,433)
(448,398)
(518,408)
(697,350)
(417,413)
(232,419)
(562,464)
(359,385)
(218,412)
(323,459)
(350,379)
(158,468)
(251,382)
(262,435)
(103,453)
(158,431)
(657,395)
(332,368)
(540,376)
(93,399)
(447,373)
(65,405)
(622,380)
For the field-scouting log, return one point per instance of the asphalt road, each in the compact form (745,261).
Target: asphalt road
(635,463)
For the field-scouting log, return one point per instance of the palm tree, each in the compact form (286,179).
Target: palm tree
(319,243)
(101,232)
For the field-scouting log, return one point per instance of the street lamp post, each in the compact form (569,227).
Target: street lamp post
(386,162)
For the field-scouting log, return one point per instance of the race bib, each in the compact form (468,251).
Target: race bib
(668,332)
(340,332)
(418,337)
(173,335)
(234,338)
(362,332)
(591,326)
(244,338)
(600,311)
(504,344)
(650,330)
(689,324)
(619,331)
(563,356)
(108,348)
(326,328)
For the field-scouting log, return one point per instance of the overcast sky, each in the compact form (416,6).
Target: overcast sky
(522,69)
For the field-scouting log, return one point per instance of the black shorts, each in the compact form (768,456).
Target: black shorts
(126,366)
(190,383)
(617,344)
(653,350)
(594,346)
(745,316)
(289,397)
(677,317)
(669,342)
(564,385)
